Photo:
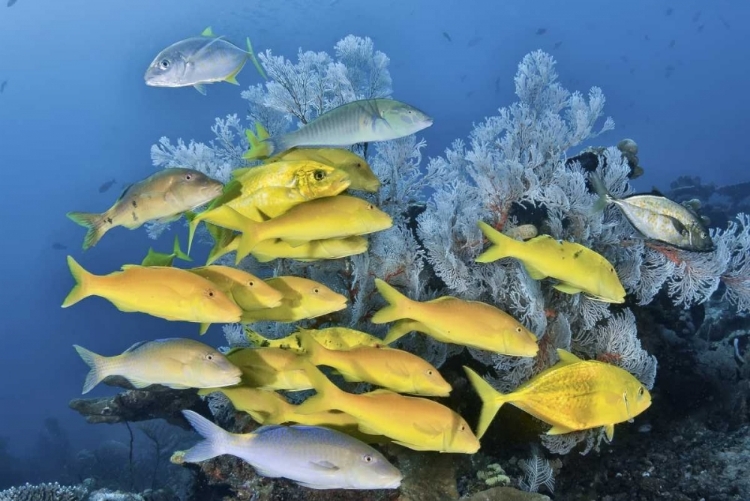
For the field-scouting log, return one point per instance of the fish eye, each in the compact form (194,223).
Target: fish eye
(429,372)
(462,428)
(209,357)
(518,330)
(316,290)
(251,283)
(359,164)
(371,207)
(188,177)
(164,64)
(367,458)
(641,391)
(319,175)
(703,234)
(611,270)
(210,293)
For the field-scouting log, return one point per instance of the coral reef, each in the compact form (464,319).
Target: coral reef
(44,492)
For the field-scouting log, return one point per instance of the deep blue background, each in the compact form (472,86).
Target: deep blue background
(76,113)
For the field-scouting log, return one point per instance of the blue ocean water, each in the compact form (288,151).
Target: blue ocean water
(75,113)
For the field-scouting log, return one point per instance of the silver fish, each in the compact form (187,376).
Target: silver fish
(361,121)
(198,61)
(176,363)
(659,218)
(313,456)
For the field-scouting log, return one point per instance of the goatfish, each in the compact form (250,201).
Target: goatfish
(313,456)
(331,338)
(571,395)
(270,369)
(396,370)
(154,258)
(414,422)
(198,61)
(363,121)
(175,363)
(303,298)
(161,197)
(452,320)
(331,217)
(578,268)
(359,171)
(659,218)
(164,292)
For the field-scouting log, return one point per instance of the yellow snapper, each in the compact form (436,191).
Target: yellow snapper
(396,370)
(313,456)
(332,338)
(578,268)
(198,61)
(330,217)
(571,395)
(248,291)
(163,197)
(165,292)
(417,423)
(154,258)
(361,121)
(303,298)
(357,167)
(270,369)
(452,320)
(176,363)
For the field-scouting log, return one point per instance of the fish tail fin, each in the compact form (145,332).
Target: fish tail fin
(178,252)
(604,196)
(397,304)
(216,441)
(326,395)
(194,220)
(223,242)
(311,349)
(492,400)
(94,223)
(81,288)
(258,147)
(502,245)
(249,239)
(255,338)
(251,55)
(261,131)
(97,363)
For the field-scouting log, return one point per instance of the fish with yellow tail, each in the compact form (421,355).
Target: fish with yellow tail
(313,456)
(452,320)
(356,167)
(571,395)
(175,363)
(332,338)
(363,121)
(302,298)
(161,197)
(164,292)
(578,268)
(154,258)
(331,217)
(417,423)
(396,370)
(270,369)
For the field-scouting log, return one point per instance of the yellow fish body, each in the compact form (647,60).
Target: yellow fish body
(323,218)
(303,298)
(270,369)
(578,268)
(248,291)
(396,370)
(332,338)
(176,363)
(452,320)
(417,423)
(571,395)
(165,292)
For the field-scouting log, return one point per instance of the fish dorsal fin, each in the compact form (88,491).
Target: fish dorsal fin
(567,357)
(208,32)
(656,192)
(124,191)
(135,346)
(441,299)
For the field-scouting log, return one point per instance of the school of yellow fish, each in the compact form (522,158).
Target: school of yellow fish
(296,206)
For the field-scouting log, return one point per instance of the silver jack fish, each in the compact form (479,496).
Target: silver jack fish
(362,121)
(198,61)
(312,456)
(659,218)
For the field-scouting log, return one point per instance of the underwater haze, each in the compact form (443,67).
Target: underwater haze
(77,123)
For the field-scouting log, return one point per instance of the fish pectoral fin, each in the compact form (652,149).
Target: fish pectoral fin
(430,431)
(177,386)
(139,383)
(559,430)
(169,219)
(567,288)
(609,431)
(677,224)
(369,430)
(324,465)
(534,273)
(200,88)
(399,369)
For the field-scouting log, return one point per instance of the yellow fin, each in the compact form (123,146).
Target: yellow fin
(566,288)
(208,32)
(609,431)
(492,400)
(534,273)
(567,357)
(559,430)
(204,328)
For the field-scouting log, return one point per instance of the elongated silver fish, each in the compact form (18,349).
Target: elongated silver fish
(659,218)
(176,363)
(198,61)
(362,121)
(313,456)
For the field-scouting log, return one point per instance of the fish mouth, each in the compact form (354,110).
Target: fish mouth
(393,484)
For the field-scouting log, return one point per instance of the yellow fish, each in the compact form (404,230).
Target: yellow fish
(176,363)
(571,395)
(330,217)
(414,422)
(154,258)
(452,320)
(396,370)
(163,196)
(165,292)
(332,338)
(247,290)
(578,268)
(270,369)
(303,298)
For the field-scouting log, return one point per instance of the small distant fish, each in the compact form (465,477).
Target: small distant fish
(541,31)
(700,27)
(671,43)
(198,61)
(447,36)
(624,58)
(497,85)
(474,41)
(463,77)
(669,11)
(632,71)
(2,86)
(59,246)
(724,22)
(646,37)
(696,16)
(668,71)
(558,44)
(11,3)
(154,258)
(313,456)
(107,185)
